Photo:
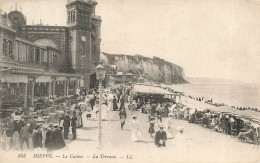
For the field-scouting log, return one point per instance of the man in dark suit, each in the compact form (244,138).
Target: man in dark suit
(160,137)
(66,125)
(74,125)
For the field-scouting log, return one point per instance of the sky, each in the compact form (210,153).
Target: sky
(208,38)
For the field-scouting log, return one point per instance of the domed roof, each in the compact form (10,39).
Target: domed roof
(17,15)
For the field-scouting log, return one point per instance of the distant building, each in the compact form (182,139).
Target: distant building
(39,61)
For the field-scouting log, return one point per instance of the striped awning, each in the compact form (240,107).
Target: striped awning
(14,78)
(149,89)
(43,79)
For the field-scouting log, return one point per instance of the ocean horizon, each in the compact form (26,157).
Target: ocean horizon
(230,92)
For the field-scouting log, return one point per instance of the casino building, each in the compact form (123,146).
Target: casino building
(39,61)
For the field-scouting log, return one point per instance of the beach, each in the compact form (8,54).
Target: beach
(232,93)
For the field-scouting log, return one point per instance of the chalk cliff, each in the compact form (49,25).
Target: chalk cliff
(155,69)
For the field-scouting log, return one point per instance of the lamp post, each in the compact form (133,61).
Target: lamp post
(124,79)
(100,74)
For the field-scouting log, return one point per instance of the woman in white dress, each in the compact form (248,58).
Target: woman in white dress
(135,133)
(181,142)
(104,111)
(110,101)
(169,126)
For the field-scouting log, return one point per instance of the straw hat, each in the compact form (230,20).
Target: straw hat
(161,126)
(170,114)
(17,118)
(134,116)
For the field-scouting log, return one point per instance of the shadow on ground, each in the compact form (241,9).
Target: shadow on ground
(88,128)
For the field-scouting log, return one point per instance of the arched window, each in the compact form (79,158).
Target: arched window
(80,16)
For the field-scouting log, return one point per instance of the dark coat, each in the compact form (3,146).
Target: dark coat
(57,139)
(8,127)
(115,107)
(66,123)
(74,122)
(32,125)
(122,103)
(18,125)
(48,140)
(37,139)
(24,132)
(160,135)
(122,113)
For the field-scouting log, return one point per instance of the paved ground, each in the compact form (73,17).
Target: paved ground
(206,145)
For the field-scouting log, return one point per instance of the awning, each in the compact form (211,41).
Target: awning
(14,78)
(148,89)
(61,79)
(43,79)
(73,79)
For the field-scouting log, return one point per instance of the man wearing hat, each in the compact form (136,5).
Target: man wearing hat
(66,125)
(122,115)
(24,135)
(7,132)
(160,137)
(74,125)
(18,124)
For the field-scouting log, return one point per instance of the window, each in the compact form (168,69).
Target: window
(12,91)
(10,47)
(83,60)
(84,48)
(69,16)
(42,56)
(80,16)
(4,46)
(73,16)
(54,58)
(37,55)
(30,54)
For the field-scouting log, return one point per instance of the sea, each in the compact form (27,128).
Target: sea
(232,93)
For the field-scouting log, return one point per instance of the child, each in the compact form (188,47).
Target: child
(88,115)
(151,127)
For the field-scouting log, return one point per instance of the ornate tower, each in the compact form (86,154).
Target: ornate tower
(84,40)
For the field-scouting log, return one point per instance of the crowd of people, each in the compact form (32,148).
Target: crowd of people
(32,128)
(23,126)
(236,125)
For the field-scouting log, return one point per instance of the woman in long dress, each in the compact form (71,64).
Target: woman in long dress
(135,133)
(110,101)
(181,142)
(115,107)
(169,127)
(104,111)
(151,127)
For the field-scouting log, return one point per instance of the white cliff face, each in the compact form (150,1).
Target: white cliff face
(153,69)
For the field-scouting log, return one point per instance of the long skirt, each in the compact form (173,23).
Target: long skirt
(135,134)
(151,128)
(110,105)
